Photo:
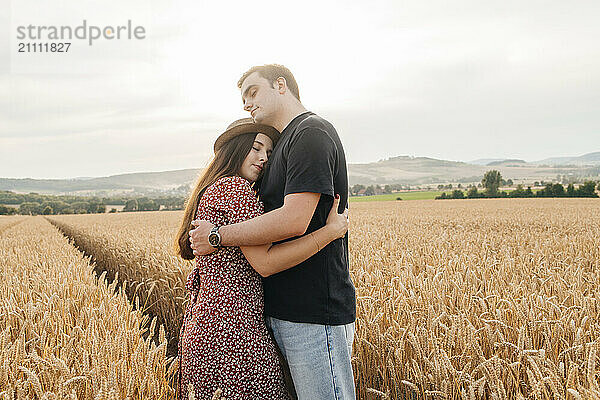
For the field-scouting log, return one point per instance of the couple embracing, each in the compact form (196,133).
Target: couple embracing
(270,245)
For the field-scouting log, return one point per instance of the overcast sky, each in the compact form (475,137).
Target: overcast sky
(456,80)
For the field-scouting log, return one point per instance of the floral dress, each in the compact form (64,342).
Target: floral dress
(224,342)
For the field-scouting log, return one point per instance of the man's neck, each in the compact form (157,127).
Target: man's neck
(288,115)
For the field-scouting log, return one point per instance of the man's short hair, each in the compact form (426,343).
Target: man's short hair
(272,72)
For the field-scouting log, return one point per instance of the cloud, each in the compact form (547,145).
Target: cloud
(454,80)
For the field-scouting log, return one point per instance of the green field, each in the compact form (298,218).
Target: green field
(416,195)
(422,195)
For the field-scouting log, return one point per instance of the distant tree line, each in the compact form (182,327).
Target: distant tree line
(493,179)
(362,190)
(41,204)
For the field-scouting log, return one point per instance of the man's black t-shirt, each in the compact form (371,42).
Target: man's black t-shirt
(309,157)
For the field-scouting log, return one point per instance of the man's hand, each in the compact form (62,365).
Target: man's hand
(199,238)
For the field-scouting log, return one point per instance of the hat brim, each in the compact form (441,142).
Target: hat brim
(241,129)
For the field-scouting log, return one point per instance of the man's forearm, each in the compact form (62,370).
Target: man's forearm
(267,228)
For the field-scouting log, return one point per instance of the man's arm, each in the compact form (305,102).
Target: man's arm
(291,219)
(269,259)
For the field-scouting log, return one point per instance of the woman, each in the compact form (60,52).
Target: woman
(224,342)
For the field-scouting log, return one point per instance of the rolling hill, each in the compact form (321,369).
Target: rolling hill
(424,170)
(586,159)
(402,169)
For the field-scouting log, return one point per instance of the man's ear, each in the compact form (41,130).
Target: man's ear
(280,84)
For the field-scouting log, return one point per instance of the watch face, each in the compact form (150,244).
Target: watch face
(213,240)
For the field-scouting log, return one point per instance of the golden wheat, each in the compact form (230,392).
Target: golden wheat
(456,299)
(9,221)
(63,333)
(477,298)
(137,246)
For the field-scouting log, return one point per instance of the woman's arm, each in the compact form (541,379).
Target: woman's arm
(270,259)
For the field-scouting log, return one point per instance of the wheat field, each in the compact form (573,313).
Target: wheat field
(63,334)
(137,246)
(460,299)
(8,221)
(478,298)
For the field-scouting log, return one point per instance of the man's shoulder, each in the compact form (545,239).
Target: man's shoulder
(315,122)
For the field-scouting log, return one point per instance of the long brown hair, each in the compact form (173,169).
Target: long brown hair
(227,162)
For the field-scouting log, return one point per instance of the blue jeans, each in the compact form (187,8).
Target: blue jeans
(318,357)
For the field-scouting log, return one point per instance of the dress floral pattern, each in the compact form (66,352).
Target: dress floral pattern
(224,342)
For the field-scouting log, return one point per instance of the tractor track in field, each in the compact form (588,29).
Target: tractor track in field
(100,268)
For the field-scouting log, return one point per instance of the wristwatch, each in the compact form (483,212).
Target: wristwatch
(214,237)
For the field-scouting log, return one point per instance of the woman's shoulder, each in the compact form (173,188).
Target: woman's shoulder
(233,180)
(229,185)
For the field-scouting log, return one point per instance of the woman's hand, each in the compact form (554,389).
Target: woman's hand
(337,223)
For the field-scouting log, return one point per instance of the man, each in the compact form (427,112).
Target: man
(311,308)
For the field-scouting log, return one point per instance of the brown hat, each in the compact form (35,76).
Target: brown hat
(246,125)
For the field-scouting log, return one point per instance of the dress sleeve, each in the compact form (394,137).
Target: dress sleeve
(237,200)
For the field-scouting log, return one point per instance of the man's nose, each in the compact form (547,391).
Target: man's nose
(247,106)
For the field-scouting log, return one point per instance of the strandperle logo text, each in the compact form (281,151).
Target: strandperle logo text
(84,31)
